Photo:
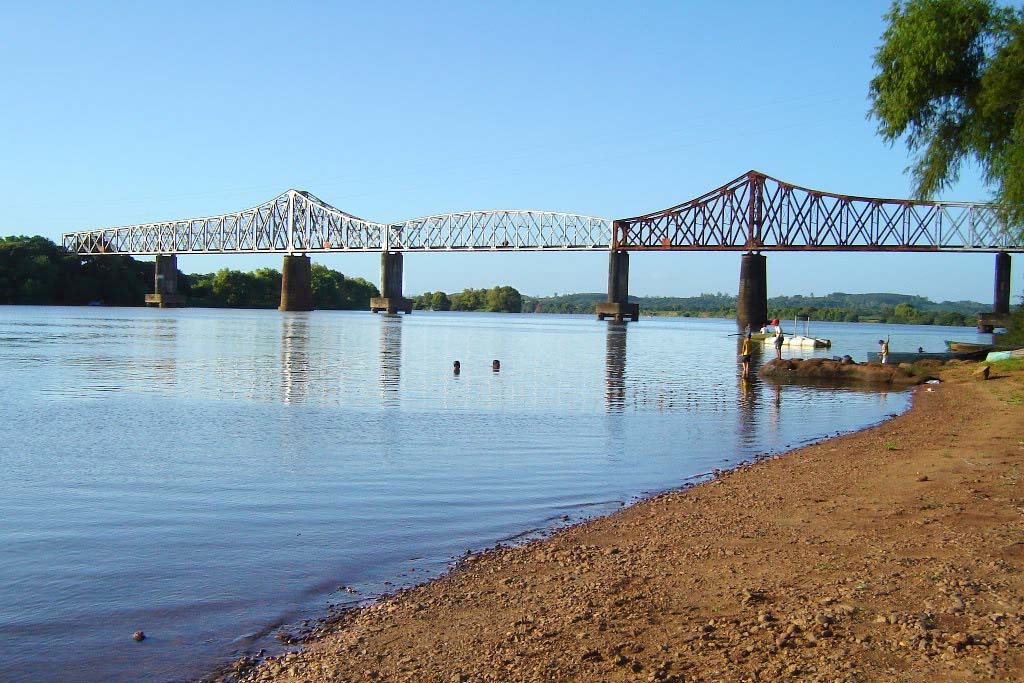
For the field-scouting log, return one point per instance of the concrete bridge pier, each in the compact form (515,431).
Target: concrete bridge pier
(1001,300)
(296,283)
(1000,315)
(391,274)
(752,302)
(618,307)
(165,283)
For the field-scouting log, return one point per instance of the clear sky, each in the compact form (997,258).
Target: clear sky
(116,114)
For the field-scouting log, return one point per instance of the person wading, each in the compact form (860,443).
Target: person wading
(745,355)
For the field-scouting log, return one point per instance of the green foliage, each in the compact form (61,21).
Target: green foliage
(432,301)
(469,300)
(34,270)
(334,291)
(1014,331)
(951,81)
(503,299)
(262,289)
(837,307)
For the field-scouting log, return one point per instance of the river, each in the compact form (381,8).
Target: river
(206,476)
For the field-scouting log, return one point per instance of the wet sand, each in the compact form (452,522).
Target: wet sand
(891,554)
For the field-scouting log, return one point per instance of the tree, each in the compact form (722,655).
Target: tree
(439,301)
(504,300)
(951,81)
(233,288)
(469,300)
(326,294)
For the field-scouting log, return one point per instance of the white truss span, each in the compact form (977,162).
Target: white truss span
(298,222)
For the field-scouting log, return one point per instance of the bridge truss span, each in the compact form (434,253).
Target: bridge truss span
(298,222)
(293,221)
(501,230)
(757,212)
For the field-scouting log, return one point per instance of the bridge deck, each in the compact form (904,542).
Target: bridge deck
(754,212)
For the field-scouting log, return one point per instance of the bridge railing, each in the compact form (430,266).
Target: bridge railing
(758,212)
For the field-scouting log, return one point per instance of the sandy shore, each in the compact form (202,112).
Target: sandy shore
(892,554)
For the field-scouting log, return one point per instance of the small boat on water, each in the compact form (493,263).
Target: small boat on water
(804,341)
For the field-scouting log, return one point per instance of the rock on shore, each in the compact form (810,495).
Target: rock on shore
(825,369)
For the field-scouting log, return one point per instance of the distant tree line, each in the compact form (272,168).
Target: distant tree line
(261,288)
(838,306)
(34,270)
(503,299)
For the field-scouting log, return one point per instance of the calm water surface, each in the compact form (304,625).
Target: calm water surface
(209,475)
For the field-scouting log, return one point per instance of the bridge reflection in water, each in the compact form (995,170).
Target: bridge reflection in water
(295,358)
(390,354)
(615,368)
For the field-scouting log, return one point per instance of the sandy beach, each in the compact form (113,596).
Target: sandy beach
(891,554)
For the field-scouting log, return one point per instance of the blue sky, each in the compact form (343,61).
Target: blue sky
(123,113)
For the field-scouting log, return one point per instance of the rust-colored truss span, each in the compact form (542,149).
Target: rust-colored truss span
(756,212)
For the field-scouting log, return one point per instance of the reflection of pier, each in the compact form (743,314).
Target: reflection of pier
(295,357)
(390,359)
(615,368)
(747,413)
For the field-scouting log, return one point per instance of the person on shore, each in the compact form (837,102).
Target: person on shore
(745,355)
(778,342)
(456,367)
(883,345)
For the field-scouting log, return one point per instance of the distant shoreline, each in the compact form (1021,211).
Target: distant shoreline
(643,312)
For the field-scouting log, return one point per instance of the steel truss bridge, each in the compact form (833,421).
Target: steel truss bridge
(754,212)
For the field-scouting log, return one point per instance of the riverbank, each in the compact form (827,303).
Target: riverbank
(895,551)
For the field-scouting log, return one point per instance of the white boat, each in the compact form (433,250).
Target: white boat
(804,341)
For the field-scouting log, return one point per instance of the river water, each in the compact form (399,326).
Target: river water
(209,475)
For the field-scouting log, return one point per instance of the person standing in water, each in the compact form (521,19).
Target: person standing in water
(745,355)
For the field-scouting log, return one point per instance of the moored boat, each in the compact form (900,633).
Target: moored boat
(965,347)
(803,341)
